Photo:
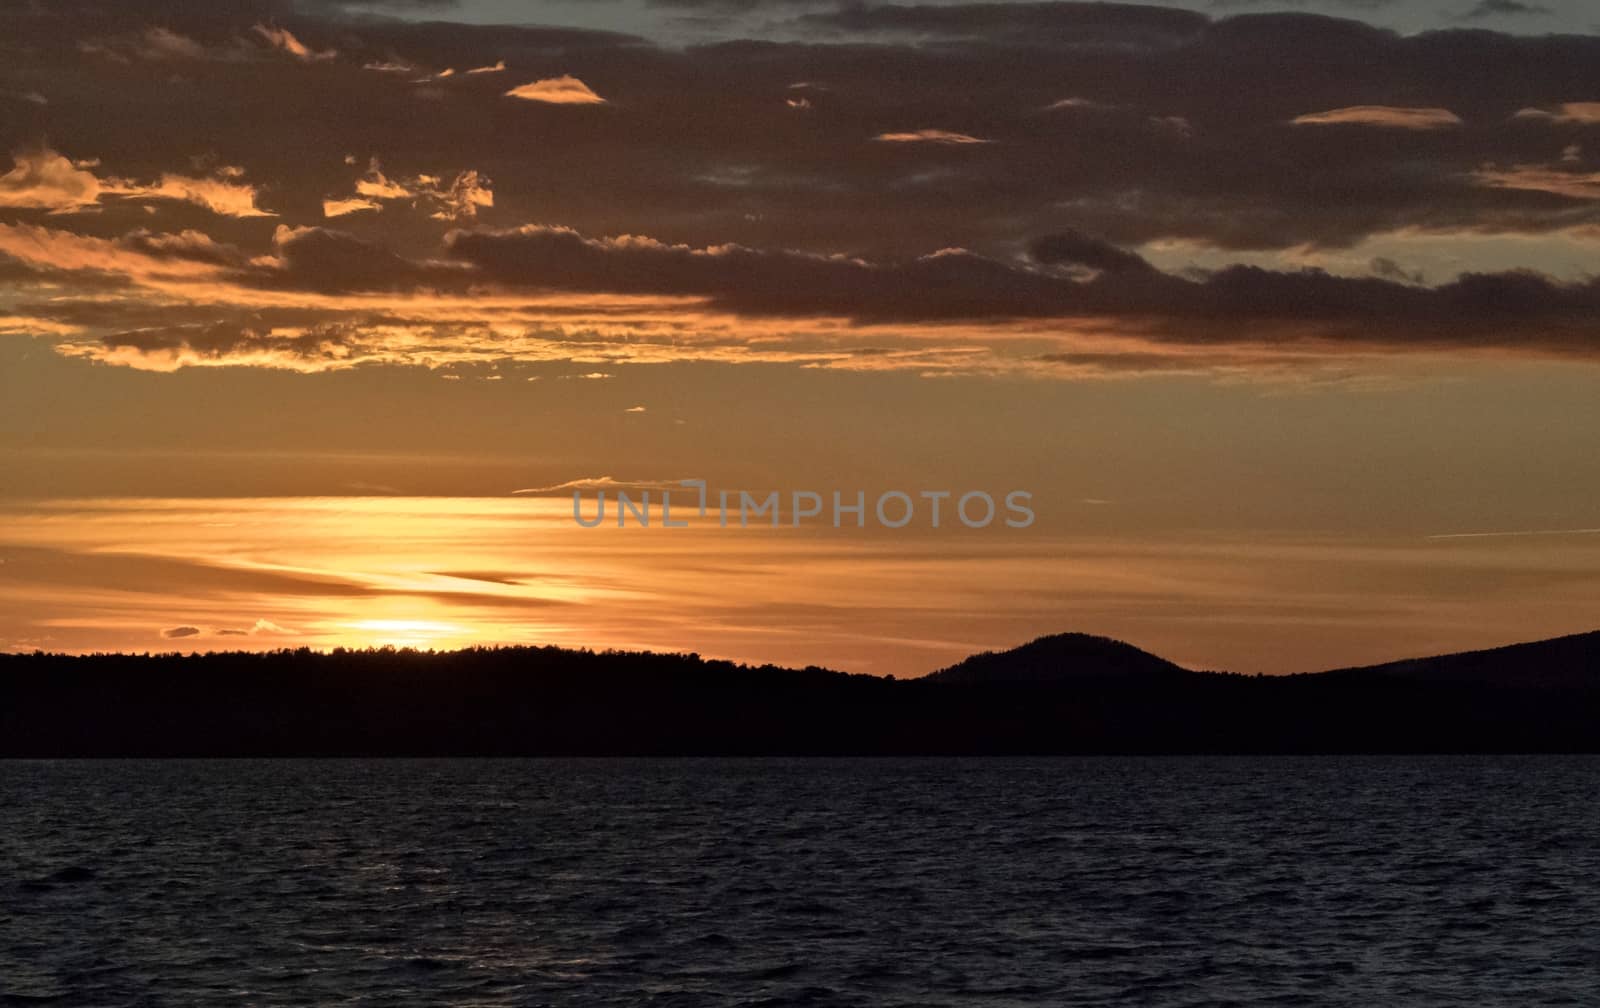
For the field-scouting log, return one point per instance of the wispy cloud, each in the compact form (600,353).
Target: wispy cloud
(285,40)
(46,180)
(1382,116)
(563,90)
(458,199)
(159,44)
(1582,113)
(1579,185)
(934,136)
(1520,532)
(343,207)
(41,179)
(592,483)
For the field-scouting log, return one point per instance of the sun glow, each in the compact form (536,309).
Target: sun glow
(198,574)
(413,633)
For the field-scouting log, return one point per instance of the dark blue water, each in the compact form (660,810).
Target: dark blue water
(1249,881)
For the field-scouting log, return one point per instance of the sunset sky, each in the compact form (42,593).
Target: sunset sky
(311,313)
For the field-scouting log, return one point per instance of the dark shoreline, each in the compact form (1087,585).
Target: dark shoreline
(512,702)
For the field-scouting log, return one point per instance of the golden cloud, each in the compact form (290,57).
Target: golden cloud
(343,207)
(1536,178)
(459,199)
(563,90)
(937,136)
(1382,116)
(284,40)
(1581,113)
(42,179)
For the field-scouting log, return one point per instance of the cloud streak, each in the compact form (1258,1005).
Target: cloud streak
(935,136)
(327,299)
(42,179)
(1585,113)
(939,206)
(563,90)
(285,41)
(459,199)
(1383,117)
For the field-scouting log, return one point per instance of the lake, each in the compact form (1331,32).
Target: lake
(1389,881)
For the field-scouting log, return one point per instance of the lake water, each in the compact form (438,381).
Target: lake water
(1244,881)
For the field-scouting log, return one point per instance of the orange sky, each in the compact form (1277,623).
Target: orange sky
(439,572)
(294,298)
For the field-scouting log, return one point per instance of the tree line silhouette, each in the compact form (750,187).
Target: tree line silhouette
(1065,694)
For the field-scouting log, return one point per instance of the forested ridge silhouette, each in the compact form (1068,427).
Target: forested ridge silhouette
(1068,693)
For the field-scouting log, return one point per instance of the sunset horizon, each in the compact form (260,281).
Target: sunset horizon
(832,503)
(314,315)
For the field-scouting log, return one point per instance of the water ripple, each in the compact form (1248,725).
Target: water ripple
(1169,882)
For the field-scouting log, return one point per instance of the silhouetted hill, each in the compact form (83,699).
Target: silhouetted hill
(1064,694)
(1060,658)
(1564,662)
